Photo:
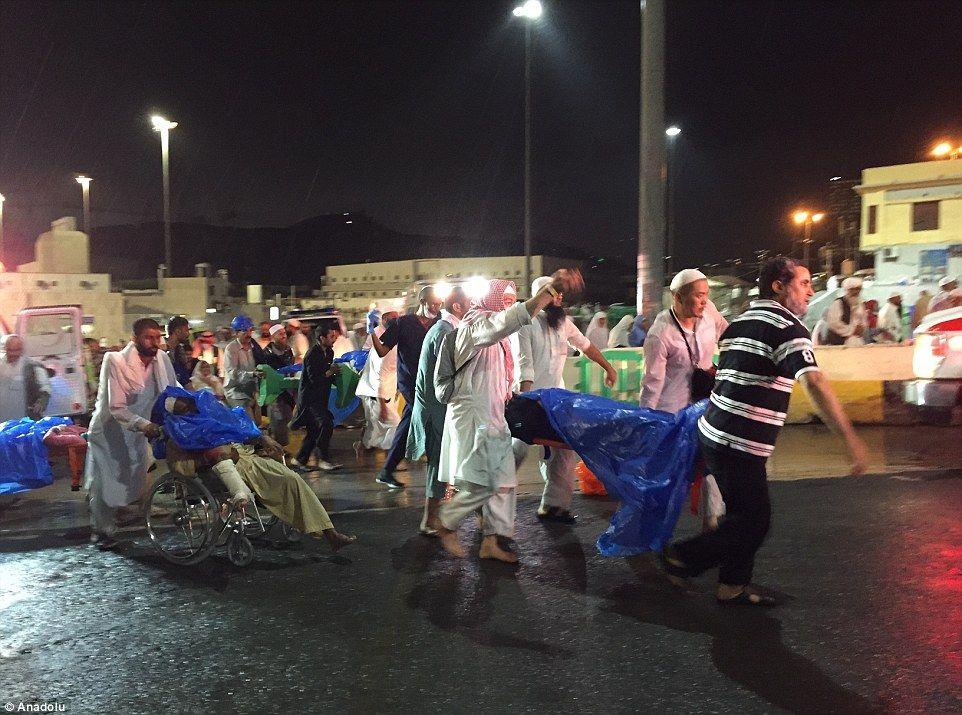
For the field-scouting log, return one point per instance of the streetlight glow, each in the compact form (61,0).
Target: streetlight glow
(673,131)
(531,10)
(941,149)
(161,124)
(800,217)
(84,181)
(817,217)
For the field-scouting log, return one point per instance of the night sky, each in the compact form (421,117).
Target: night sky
(413,112)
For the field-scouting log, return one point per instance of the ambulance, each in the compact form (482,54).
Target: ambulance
(52,336)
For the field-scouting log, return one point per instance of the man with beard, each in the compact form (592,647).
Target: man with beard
(544,346)
(763,352)
(278,354)
(407,334)
(118,456)
(845,321)
(179,349)
(427,416)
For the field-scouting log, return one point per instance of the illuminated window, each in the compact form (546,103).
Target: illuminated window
(925,216)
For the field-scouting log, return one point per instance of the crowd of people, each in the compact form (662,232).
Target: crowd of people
(435,386)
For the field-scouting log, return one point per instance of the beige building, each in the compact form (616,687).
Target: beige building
(352,288)
(912,220)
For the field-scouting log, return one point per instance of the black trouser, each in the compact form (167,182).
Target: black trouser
(400,444)
(319,423)
(748,512)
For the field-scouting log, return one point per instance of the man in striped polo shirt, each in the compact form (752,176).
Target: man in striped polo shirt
(763,352)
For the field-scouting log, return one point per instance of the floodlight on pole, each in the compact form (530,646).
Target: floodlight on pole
(529,11)
(673,131)
(163,126)
(84,182)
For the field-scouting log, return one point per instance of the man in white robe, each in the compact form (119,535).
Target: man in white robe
(118,453)
(845,320)
(377,390)
(476,449)
(544,349)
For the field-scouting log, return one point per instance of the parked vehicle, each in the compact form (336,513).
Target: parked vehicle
(52,336)
(937,364)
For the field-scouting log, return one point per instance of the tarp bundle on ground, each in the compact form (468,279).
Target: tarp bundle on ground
(24,461)
(645,458)
(214,423)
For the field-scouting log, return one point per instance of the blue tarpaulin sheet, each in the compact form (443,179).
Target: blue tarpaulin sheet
(214,423)
(645,458)
(289,370)
(356,359)
(24,462)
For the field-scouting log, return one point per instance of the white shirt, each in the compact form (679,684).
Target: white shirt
(833,321)
(240,381)
(379,376)
(544,349)
(890,320)
(668,367)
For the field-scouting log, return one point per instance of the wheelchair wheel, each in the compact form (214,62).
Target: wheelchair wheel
(240,550)
(180,515)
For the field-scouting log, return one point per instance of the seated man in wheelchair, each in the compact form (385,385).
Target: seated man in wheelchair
(243,467)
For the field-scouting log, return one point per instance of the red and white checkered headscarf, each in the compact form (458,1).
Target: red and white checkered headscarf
(492,301)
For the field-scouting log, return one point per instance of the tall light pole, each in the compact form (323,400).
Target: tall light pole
(806,219)
(530,11)
(163,126)
(672,133)
(2,199)
(84,182)
(652,159)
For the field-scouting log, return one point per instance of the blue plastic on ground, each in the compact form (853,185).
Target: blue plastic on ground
(24,462)
(645,458)
(214,423)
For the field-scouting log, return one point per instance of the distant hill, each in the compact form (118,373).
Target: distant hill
(295,254)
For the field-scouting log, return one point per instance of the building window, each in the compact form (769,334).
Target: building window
(872,219)
(925,216)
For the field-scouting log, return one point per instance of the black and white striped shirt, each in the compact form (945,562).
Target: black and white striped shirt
(763,352)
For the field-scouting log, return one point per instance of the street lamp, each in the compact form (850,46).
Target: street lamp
(530,11)
(672,133)
(944,150)
(163,126)
(84,182)
(806,219)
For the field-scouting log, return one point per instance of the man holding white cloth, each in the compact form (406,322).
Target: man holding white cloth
(118,454)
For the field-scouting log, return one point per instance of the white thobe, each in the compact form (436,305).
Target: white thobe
(544,351)
(240,379)
(476,443)
(833,321)
(13,388)
(379,382)
(543,354)
(118,455)
(889,320)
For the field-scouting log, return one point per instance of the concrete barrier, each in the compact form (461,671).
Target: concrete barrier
(858,376)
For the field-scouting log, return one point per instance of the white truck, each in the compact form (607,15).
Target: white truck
(52,336)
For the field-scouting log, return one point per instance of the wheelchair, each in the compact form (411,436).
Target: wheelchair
(188,517)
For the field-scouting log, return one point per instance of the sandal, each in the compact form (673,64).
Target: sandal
(674,570)
(557,515)
(746,598)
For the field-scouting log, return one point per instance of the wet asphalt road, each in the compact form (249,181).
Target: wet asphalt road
(870,570)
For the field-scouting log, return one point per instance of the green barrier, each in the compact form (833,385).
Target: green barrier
(628,362)
(346,383)
(272,384)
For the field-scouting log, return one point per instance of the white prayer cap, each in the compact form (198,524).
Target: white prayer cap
(683,278)
(539,283)
(294,323)
(946,280)
(852,282)
(509,289)
(359,325)
(275,329)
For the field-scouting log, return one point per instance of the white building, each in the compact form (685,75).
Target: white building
(352,288)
